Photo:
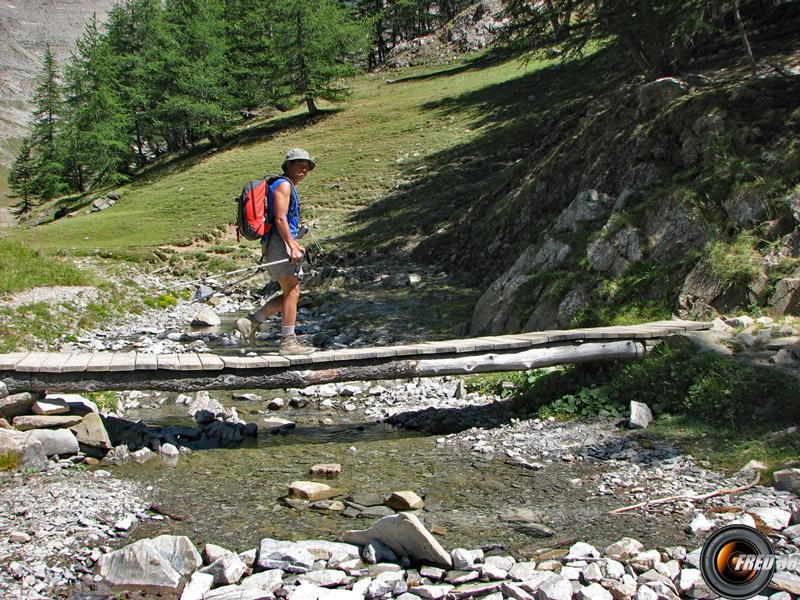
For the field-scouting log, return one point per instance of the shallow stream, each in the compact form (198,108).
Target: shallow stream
(232,497)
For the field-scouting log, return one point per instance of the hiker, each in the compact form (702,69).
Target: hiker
(279,243)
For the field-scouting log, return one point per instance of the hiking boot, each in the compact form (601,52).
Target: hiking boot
(248,328)
(291,345)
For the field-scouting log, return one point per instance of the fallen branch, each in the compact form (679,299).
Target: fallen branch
(687,497)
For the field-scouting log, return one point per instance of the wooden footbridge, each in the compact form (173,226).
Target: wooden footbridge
(80,372)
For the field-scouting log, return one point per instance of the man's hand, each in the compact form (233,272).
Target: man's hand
(297,253)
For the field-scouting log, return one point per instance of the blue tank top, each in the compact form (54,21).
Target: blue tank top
(292,215)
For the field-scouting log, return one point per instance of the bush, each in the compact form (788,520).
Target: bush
(735,262)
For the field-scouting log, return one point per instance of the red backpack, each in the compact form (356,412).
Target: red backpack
(251,213)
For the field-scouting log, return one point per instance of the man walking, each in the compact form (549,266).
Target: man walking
(283,209)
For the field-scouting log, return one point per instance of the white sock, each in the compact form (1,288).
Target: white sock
(287,330)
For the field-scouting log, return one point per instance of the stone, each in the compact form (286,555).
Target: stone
(502,562)
(655,95)
(169,451)
(700,524)
(331,470)
(206,317)
(522,571)
(555,588)
(17,405)
(580,551)
(624,549)
(466,559)
(431,592)
(433,573)
(613,569)
(618,590)
(288,556)
(324,577)
(41,407)
(237,592)
(92,435)
(593,572)
(19,537)
(740,322)
(227,570)
(212,553)
(376,551)
(312,490)
(139,567)
(787,480)
(405,534)
(594,591)
(332,552)
(473,590)
(786,581)
(179,551)
(28,422)
(589,205)
(641,415)
(376,589)
(142,455)
(125,523)
(78,405)
(459,577)
(276,404)
(269,581)
(774,518)
(3,390)
(405,500)
(644,561)
(571,573)
(375,512)
(688,580)
(28,450)
(753,467)
(511,590)
(60,442)
(198,586)
(493,573)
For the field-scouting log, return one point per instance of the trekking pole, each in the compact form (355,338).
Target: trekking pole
(303,230)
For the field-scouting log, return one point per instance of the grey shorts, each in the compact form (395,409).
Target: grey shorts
(277,249)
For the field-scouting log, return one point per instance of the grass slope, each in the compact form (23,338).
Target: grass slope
(377,141)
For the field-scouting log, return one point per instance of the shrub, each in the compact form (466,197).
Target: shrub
(734,262)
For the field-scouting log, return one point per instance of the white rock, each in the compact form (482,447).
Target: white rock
(741,321)
(170,451)
(493,573)
(237,592)
(613,569)
(595,591)
(582,550)
(227,570)
(125,524)
(774,518)
(268,581)
(502,562)
(700,524)
(593,572)
(212,553)
(464,560)
(555,588)
(624,549)
(523,571)
(142,455)
(571,573)
(644,561)
(289,556)
(641,415)
(41,407)
(431,592)
(646,593)
(198,586)
(324,577)
(688,579)
(206,317)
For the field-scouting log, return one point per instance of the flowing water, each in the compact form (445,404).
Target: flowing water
(232,497)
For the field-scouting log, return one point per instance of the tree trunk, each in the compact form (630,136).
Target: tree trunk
(745,42)
(312,108)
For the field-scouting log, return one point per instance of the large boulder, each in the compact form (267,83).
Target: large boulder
(497,309)
(57,441)
(206,317)
(312,490)
(588,206)
(615,249)
(28,422)
(405,534)
(654,95)
(673,228)
(16,405)
(28,450)
(159,566)
(786,298)
(78,405)
(92,435)
(288,556)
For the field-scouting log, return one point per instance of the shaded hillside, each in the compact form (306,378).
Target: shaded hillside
(589,196)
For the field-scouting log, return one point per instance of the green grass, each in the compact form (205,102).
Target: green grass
(107,401)
(736,261)
(364,149)
(9,461)
(22,268)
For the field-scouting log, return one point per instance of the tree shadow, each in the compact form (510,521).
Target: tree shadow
(523,121)
(491,58)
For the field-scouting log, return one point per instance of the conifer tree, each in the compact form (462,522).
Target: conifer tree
(48,181)
(317,43)
(20,180)
(96,133)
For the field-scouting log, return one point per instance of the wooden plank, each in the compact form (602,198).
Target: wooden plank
(54,363)
(326,356)
(32,362)
(190,362)
(170,362)
(300,359)
(146,362)
(508,342)
(100,361)
(123,361)
(210,362)
(409,350)
(77,362)
(275,360)
(563,335)
(443,346)
(482,344)
(245,362)
(346,354)
(10,360)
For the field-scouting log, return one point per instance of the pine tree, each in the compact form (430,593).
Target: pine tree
(48,171)
(193,67)
(20,180)
(317,44)
(97,124)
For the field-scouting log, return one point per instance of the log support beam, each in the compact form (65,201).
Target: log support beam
(293,377)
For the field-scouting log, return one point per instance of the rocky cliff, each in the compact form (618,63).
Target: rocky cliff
(26,27)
